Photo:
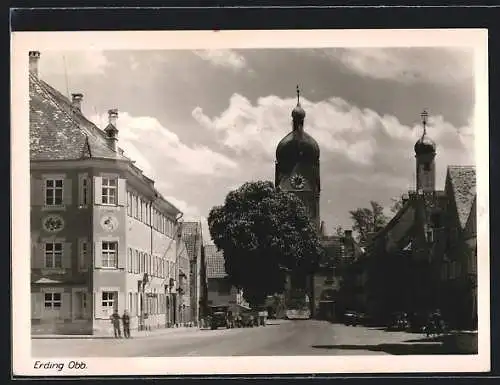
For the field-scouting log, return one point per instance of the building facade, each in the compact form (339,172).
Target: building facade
(102,237)
(193,239)
(429,247)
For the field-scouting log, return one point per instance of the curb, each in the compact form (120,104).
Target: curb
(99,336)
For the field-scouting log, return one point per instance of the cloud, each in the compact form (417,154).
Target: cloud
(223,58)
(191,213)
(74,63)
(434,65)
(160,151)
(353,142)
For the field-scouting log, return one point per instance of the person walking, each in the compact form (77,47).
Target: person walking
(126,324)
(115,320)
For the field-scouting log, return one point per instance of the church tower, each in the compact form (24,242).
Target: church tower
(425,153)
(297,164)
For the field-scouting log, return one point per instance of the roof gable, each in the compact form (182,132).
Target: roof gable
(462,180)
(58,131)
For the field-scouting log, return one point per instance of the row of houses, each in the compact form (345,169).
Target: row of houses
(425,257)
(103,237)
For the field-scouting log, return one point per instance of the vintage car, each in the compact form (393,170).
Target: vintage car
(219,317)
(353,318)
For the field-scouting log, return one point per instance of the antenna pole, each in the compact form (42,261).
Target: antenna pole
(66,76)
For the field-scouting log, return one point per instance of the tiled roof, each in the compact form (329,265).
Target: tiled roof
(463,183)
(215,262)
(191,234)
(57,131)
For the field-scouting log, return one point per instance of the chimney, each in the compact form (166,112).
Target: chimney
(76,101)
(113,116)
(111,130)
(348,233)
(34,58)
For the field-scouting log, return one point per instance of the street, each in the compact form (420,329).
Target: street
(278,338)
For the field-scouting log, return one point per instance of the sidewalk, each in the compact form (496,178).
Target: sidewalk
(108,334)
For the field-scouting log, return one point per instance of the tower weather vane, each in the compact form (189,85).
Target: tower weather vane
(424,115)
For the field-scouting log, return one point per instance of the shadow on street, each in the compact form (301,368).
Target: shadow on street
(431,347)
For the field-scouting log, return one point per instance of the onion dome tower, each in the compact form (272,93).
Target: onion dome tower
(297,164)
(425,153)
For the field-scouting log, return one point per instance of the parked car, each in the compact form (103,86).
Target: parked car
(219,317)
(353,318)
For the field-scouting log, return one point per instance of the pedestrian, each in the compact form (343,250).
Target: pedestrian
(115,320)
(126,324)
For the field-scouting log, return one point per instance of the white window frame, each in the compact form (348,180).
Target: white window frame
(109,191)
(53,256)
(52,301)
(109,302)
(107,252)
(54,188)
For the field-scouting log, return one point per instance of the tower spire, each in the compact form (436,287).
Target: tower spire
(298,95)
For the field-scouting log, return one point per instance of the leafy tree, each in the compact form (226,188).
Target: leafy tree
(397,204)
(368,220)
(265,235)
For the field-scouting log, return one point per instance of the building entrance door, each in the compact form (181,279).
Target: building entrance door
(81,305)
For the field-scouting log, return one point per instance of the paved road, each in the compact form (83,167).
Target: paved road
(281,338)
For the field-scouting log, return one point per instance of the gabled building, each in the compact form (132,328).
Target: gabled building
(102,236)
(220,290)
(422,259)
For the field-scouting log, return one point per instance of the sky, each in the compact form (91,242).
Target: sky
(201,123)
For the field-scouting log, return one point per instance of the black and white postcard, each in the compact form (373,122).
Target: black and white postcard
(250,202)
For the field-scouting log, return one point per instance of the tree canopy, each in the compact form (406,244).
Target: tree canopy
(264,234)
(368,220)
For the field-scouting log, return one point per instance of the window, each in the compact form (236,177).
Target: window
(130,302)
(136,206)
(83,254)
(53,192)
(130,260)
(109,187)
(53,255)
(108,300)
(129,203)
(84,190)
(52,301)
(109,254)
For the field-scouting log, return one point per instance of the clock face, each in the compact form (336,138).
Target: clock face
(297,181)
(53,223)
(109,223)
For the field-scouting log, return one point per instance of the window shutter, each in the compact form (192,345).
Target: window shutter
(36,305)
(97,190)
(122,302)
(97,304)
(98,254)
(67,191)
(39,259)
(66,306)
(121,254)
(67,257)
(37,192)
(122,192)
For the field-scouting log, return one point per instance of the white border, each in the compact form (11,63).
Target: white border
(22,42)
